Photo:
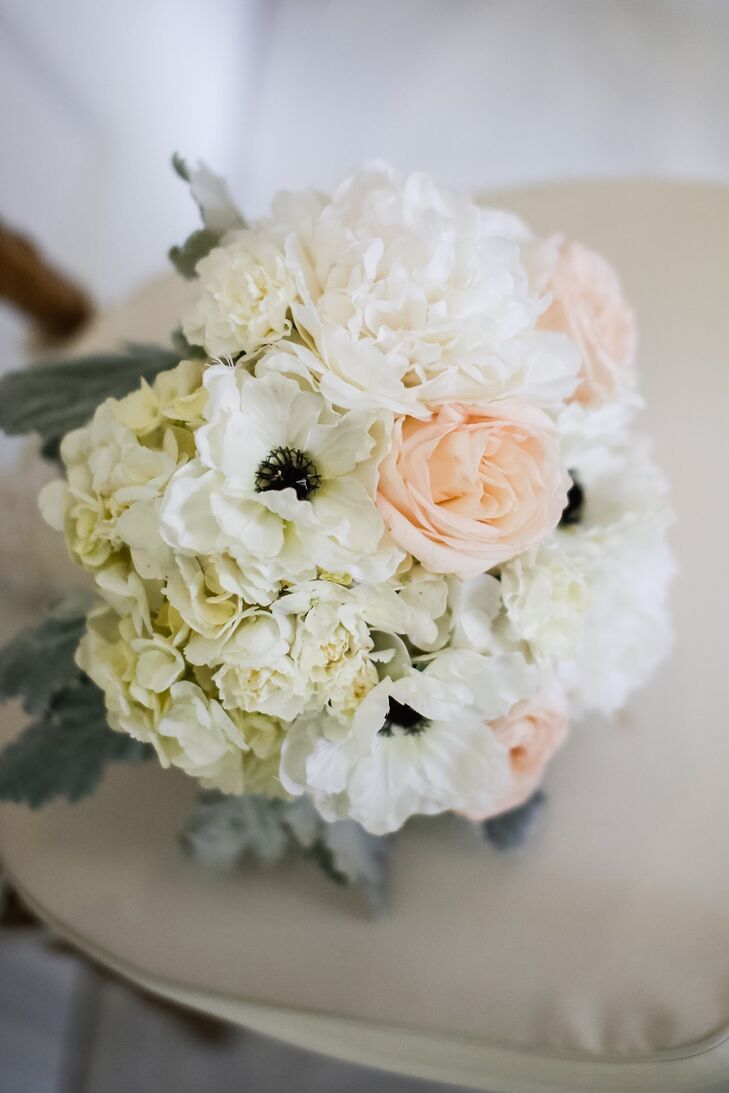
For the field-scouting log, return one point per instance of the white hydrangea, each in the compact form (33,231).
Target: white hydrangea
(117,468)
(196,735)
(133,672)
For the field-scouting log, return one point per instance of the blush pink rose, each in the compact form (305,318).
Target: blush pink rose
(588,304)
(472,487)
(532,731)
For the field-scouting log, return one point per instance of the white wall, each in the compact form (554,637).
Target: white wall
(495,92)
(95,96)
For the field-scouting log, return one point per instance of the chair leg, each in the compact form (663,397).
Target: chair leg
(38,289)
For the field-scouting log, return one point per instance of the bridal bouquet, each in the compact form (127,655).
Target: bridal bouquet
(363,542)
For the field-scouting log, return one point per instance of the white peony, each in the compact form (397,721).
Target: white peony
(402,285)
(425,276)
(537,366)
(246,292)
(281,482)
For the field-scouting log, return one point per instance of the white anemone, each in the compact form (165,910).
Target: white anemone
(281,481)
(416,744)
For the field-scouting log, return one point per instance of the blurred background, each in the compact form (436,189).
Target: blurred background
(95,95)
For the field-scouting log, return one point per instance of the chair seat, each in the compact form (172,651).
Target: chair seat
(597,957)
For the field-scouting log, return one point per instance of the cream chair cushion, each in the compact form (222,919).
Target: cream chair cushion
(597,958)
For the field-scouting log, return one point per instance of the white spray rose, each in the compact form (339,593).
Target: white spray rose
(246,292)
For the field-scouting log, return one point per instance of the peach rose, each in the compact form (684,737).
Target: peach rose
(588,304)
(532,731)
(472,487)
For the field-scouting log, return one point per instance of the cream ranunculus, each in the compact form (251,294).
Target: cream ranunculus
(472,487)
(588,304)
(246,293)
(532,731)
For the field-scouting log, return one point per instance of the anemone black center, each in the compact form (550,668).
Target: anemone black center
(573,510)
(288,468)
(404,717)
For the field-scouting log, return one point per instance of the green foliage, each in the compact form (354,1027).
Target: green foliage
(217,211)
(353,856)
(186,257)
(54,397)
(39,661)
(320,853)
(184,350)
(224,831)
(512,829)
(64,752)
(210,193)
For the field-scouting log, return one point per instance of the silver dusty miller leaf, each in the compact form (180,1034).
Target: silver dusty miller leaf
(223,831)
(65,751)
(55,397)
(39,662)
